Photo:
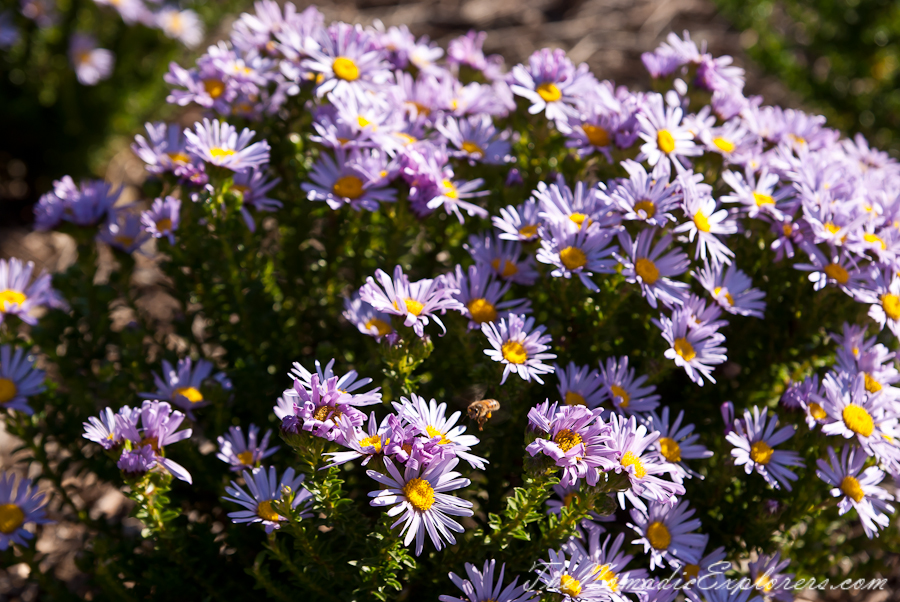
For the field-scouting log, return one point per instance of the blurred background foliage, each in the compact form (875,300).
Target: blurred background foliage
(840,57)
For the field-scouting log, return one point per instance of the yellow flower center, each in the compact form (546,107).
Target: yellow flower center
(345,69)
(622,394)
(858,420)
(728,297)
(509,268)
(665,141)
(658,535)
(362,121)
(549,92)
(606,575)
(373,441)
(837,272)
(832,227)
(472,148)
(596,135)
(787,229)
(630,459)
(573,258)
(482,310)
(647,270)
(245,457)
(214,87)
(574,399)
(567,439)
(763,199)
(579,218)
(874,238)
(178,158)
(764,583)
(125,241)
(164,225)
(726,146)
(381,326)
(670,449)
(412,306)
(221,153)
(514,352)
(701,221)
(684,349)
(691,571)
(8,390)
(570,586)
(419,493)
(11,297)
(420,108)
(528,231)
(647,207)
(851,488)
(326,412)
(890,303)
(349,187)
(190,393)
(872,385)
(434,432)
(11,518)
(264,511)
(816,411)
(569,498)
(450,190)
(761,452)
(407,139)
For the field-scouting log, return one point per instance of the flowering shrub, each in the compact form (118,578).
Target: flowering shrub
(556,338)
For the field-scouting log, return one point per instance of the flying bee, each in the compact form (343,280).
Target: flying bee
(480,411)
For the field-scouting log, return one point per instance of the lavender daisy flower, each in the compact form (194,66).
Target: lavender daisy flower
(348,384)
(450,195)
(218,143)
(159,424)
(317,408)
(479,587)
(164,148)
(126,233)
(20,504)
(19,379)
(705,223)
(854,412)
(19,297)
(163,218)
(732,289)
(182,25)
(467,50)
(647,197)
(243,453)
(430,420)
(677,443)
(767,577)
(367,320)
(885,300)
(665,532)
(347,62)
(579,385)
(504,258)
(112,429)
(665,137)
(253,186)
(859,491)
(754,441)
(579,252)
(84,205)
(627,443)
(358,179)
(267,496)
(138,461)
(92,65)
(562,206)
(609,563)
(757,195)
(367,444)
(419,496)
(520,346)
(551,83)
(573,578)
(644,266)
(415,302)
(480,296)
(627,392)
(694,347)
(519,223)
(576,441)
(838,267)
(476,139)
(183,384)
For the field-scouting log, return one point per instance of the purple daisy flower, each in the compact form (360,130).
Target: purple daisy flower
(419,496)
(164,148)
(884,295)
(551,83)
(609,563)
(576,440)
(838,267)
(367,444)
(854,412)
(430,420)
(358,178)
(647,197)
(652,270)
(19,297)
(476,139)
(519,223)
(754,440)
(20,504)
(504,257)
(705,223)
(243,453)
(159,424)
(579,385)
(694,346)
(366,319)
(520,346)
(163,218)
(767,577)
(677,443)
(732,289)
(666,533)
(480,296)
(666,139)
(218,143)
(183,384)
(125,233)
(573,578)
(268,496)
(92,65)
(479,587)
(757,195)
(348,384)
(576,251)
(415,302)
(857,488)
(317,407)
(19,379)
(347,62)
(626,391)
(84,205)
